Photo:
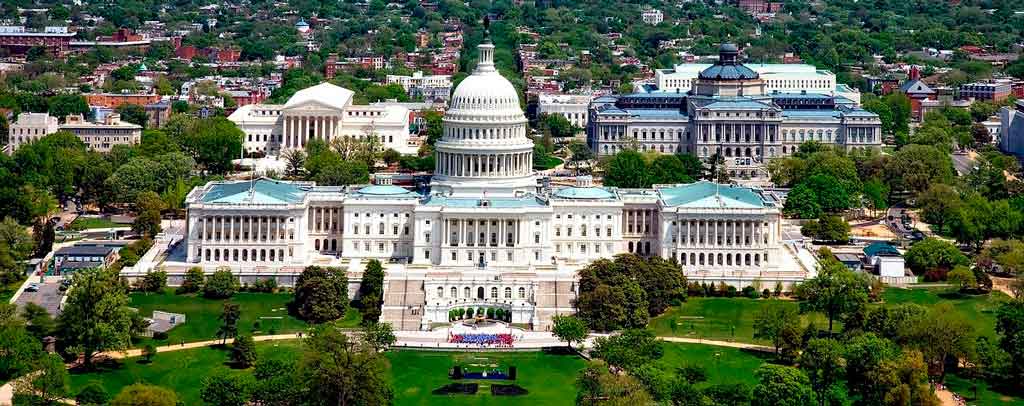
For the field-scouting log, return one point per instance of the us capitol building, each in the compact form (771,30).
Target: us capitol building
(486,234)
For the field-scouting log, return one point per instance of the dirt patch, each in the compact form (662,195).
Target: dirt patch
(875,230)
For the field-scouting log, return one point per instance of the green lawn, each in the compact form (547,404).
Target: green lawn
(986,396)
(415,374)
(7,291)
(721,318)
(546,162)
(85,223)
(181,371)
(723,364)
(979,310)
(201,314)
(550,379)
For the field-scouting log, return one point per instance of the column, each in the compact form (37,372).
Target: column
(462,233)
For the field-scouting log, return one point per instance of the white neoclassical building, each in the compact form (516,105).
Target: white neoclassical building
(484,235)
(324,112)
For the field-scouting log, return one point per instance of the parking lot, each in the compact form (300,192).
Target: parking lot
(48,296)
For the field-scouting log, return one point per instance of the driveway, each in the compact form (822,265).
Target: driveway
(48,296)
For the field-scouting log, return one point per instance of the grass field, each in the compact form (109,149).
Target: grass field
(549,378)
(721,318)
(181,371)
(723,364)
(270,309)
(85,223)
(986,396)
(7,291)
(979,310)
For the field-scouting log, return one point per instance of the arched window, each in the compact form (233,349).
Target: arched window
(440,291)
(494,293)
(522,293)
(508,293)
(455,292)
(466,292)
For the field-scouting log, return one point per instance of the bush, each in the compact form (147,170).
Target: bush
(766,293)
(267,285)
(160,335)
(153,281)
(92,394)
(490,313)
(936,275)
(731,291)
(193,281)
(221,285)
(243,352)
(750,292)
(148,352)
(694,289)
(321,294)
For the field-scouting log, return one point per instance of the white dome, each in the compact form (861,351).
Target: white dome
(485,93)
(484,149)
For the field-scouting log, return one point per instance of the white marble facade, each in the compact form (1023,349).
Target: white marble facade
(485,235)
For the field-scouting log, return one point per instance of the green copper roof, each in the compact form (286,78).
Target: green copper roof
(498,203)
(710,195)
(584,193)
(383,190)
(263,191)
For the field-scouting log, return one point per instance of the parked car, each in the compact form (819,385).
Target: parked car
(32,287)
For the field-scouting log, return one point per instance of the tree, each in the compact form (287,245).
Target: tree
(835,291)
(277,383)
(802,202)
(781,386)
(569,329)
(943,333)
(341,371)
(225,389)
(379,336)
(626,169)
(213,143)
(668,169)
(371,291)
(628,350)
(876,195)
(963,277)
(92,394)
(822,361)
(243,351)
(40,324)
(931,253)
(145,395)
(229,316)
(133,113)
(193,281)
(938,204)
(221,285)
(95,317)
(780,324)
(295,160)
(49,383)
(1010,326)
(557,125)
(827,228)
(915,167)
(580,152)
(20,349)
(148,352)
(148,206)
(321,294)
(336,172)
(597,385)
(63,105)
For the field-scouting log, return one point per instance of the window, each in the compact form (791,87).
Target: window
(426,254)
(494,293)
(440,291)
(508,293)
(522,293)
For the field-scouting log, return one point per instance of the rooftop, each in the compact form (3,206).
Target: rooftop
(705,194)
(262,191)
(498,203)
(84,250)
(593,193)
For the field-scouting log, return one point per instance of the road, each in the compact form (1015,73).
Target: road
(963,163)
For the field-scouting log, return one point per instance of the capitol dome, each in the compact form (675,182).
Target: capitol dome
(484,148)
